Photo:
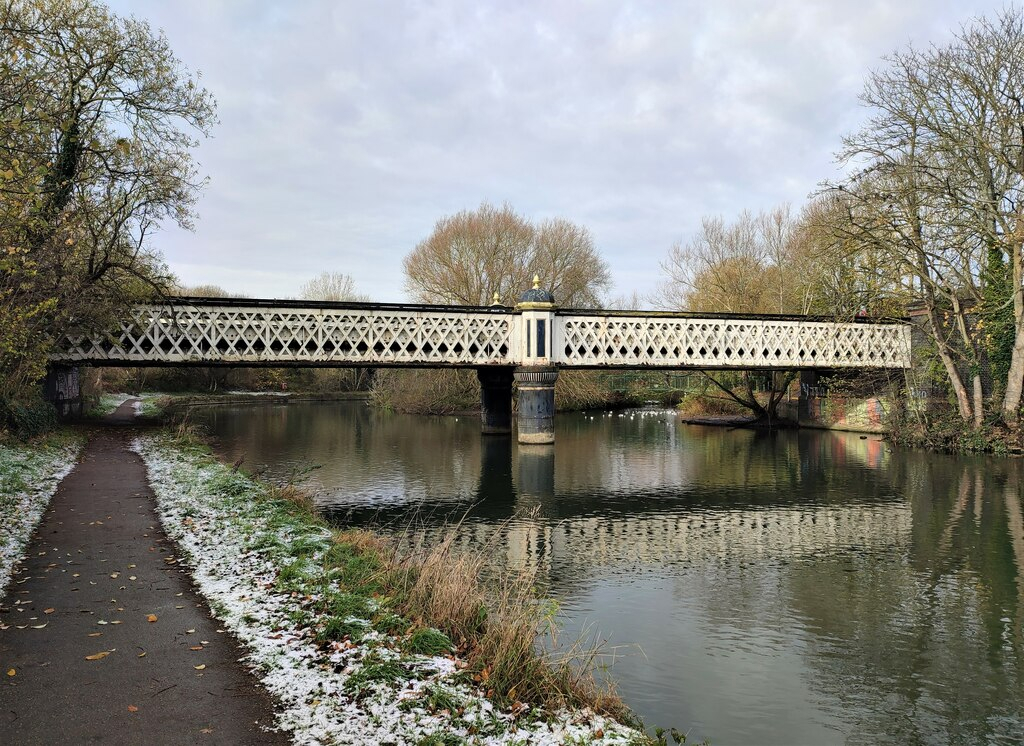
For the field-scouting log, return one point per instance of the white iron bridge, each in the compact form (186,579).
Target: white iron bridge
(217,331)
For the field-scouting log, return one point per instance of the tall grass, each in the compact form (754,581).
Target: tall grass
(495,619)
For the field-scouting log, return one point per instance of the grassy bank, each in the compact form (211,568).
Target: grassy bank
(363,642)
(29,475)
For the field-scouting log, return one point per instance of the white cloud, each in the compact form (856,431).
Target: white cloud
(348,129)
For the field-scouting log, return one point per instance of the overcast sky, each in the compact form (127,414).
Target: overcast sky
(349,128)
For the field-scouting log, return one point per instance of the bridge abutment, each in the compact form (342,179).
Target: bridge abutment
(495,400)
(63,390)
(808,384)
(536,420)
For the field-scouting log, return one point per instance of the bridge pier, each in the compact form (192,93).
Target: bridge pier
(536,421)
(495,400)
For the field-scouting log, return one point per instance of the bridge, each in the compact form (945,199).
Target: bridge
(527,343)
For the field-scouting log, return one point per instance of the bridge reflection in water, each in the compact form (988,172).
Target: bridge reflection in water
(799,587)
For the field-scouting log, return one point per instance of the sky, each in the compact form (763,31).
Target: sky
(349,128)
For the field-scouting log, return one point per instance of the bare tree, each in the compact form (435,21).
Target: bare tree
(202,291)
(843,277)
(753,265)
(472,255)
(332,286)
(939,191)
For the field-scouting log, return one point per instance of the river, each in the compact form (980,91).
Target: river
(799,587)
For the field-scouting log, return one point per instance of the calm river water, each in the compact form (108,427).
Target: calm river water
(801,587)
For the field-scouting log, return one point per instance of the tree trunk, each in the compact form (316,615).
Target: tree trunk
(1015,378)
(955,380)
(979,400)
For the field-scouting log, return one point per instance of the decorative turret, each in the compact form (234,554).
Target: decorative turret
(536,297)
(535,377)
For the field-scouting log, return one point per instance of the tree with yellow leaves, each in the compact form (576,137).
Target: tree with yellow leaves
(97,123)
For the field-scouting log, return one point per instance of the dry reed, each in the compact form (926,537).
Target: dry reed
(497,621)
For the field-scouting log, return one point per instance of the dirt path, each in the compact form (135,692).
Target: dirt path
(98,567)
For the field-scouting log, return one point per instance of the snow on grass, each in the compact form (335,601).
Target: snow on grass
(29,475)
(153,403)
(252,559)
(108,403)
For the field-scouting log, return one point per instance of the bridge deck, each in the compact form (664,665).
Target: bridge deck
(289,333)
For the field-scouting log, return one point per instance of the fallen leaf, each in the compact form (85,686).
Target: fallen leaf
(95,634)
(151,618)
(117,621)
(97,656)
(132,708)
(196,647)
(200,667)
(38,626)
(102,621)
(114,574)
(190,631)
(142,654)
(132,577)
(49,611)
(206,730)
(11,672)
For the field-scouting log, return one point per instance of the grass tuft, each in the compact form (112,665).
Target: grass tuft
(375,671)
(427,641)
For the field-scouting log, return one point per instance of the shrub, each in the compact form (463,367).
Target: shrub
(27,418)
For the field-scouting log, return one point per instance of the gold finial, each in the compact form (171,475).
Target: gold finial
(497,299)
(536,282)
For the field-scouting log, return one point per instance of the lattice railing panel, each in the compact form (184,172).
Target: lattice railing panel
(239,334)
(212,333)
(650,341)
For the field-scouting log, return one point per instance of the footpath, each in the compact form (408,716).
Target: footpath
(103,638)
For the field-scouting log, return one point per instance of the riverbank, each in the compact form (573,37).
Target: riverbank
(29,475)
(154,405)
(336,623)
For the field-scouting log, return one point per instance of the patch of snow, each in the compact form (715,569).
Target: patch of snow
(28,478)
(226,538)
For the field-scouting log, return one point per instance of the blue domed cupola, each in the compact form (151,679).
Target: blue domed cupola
(536,295)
